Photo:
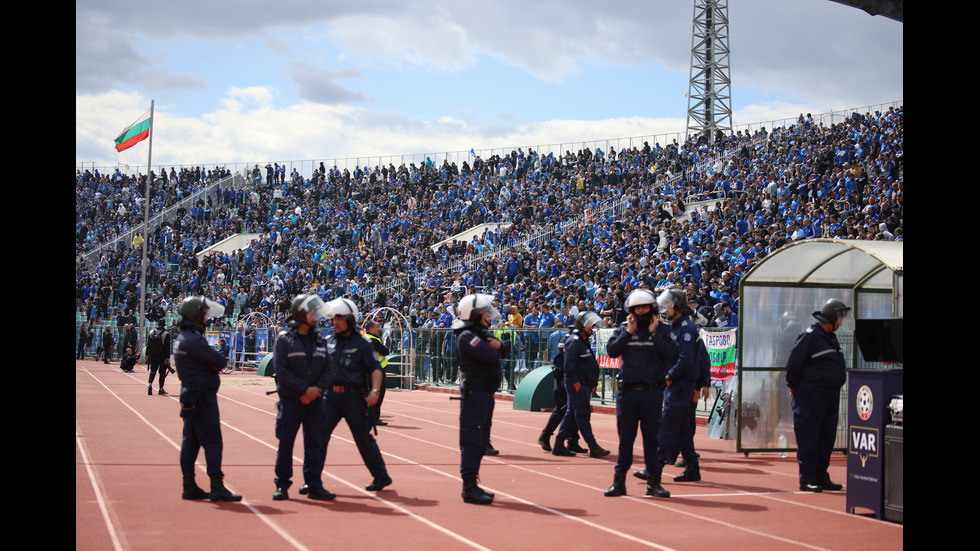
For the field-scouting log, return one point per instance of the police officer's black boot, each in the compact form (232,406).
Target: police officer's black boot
(692,473)
(561,450)
(490,449)
(219,492)
(321,494)
(618,487)
(654,488)
(642,475)
(192,490)
(545,441)
(573,446)
(475,494)
(595,450)
(379,483)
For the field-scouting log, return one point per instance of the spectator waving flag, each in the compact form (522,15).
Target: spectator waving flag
(135,133)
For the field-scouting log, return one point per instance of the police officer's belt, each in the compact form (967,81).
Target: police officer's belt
(641,386)
(345,388)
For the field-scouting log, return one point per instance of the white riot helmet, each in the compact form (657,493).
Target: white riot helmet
(344,307)
(471,308)
(640,297)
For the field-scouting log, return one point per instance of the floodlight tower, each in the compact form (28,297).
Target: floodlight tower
(709,97)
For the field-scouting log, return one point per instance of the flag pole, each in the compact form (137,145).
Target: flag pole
(146,238)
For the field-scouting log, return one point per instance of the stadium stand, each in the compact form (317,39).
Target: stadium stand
(563,232)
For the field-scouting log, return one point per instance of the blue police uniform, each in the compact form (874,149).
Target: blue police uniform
(198,366)
(352,362)
(580,367)
(300,361)
(560,396)
(683,375)
(816,370)
(645,359)
(704,379)
(156,361)
(479,367)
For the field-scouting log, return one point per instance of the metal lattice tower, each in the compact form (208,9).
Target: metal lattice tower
(709,97)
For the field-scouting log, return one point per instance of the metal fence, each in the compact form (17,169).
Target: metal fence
(433,359)
(427,357)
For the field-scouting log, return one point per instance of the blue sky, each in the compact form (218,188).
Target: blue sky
(294,81)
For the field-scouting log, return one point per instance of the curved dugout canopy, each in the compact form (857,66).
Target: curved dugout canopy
(777,298)
(836,263)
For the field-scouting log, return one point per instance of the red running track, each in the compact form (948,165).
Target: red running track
(127,485)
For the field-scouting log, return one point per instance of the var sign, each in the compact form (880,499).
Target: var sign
(864,443)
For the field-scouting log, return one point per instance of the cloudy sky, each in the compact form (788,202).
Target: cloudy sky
(297,80)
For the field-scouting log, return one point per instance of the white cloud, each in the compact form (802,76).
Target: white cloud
(335,75)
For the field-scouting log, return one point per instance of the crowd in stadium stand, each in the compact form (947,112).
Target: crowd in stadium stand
(351,233)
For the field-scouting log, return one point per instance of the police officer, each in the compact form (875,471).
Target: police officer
(646,349)
(84,337)
(157,352)
(681,379)
(479,355)
(302,369)
(561,404)
(107,343)
(198,366)
(701,389)
(581,378)
(355,385)
(815,373)
(372,329)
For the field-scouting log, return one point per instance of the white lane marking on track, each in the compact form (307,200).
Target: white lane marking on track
(99,493)
(735,492)
(645,500)
(354,487)
(176,446)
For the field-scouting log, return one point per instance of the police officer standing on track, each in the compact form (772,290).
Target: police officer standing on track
(479,355)
(157,352)
(646,349)
(198,366)
(302,368)
(681,380)
(371,331)
(815,373)
(107,343)
(355,385)
(581,378)
(561,404)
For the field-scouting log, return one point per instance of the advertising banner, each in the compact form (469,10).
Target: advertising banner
(721,349)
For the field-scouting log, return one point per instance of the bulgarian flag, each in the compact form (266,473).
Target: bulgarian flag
(135,133)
